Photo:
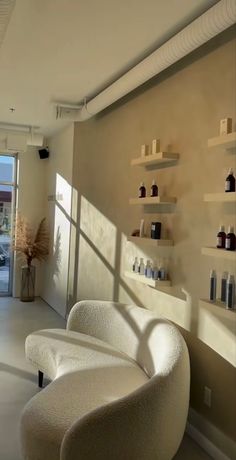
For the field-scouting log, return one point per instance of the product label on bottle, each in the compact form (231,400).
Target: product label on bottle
(219,242)
(227,185)
(227,243)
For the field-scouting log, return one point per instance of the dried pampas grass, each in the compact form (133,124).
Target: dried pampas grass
(29,245)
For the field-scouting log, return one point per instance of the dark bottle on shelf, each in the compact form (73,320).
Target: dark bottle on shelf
(230,182)
(230,239)
(223,286)
(230,292)
(213,282)
(154,189)
(221,237)
(142,191)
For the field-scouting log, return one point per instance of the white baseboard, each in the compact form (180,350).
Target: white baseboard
(215,443)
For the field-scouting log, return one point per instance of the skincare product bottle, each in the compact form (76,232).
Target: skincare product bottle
(154,189)
(156,230)
(141,267)
(155,146)
(136,265)
(221,237)
(148,269)
(225,126)
(142,191)
(144,150)
(230,182)
(155,271)
(230,292)
(223,286)
(230,239)
(162,273)
(213,286)
(141,231)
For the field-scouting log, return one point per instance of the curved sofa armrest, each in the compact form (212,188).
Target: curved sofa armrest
(138,426)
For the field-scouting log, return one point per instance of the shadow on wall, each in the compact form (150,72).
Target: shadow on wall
(98,252)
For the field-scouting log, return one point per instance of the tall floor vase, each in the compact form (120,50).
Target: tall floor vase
(28,274)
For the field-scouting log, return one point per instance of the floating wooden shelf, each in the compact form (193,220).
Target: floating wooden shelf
(221,253)
(227,141)
(153,200)
(149,281)
(217,307)
(220,197)
(150,241)
(155,159)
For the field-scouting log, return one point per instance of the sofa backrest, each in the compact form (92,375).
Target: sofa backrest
(153,342)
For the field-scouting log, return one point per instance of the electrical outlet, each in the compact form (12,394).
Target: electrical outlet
(207,396)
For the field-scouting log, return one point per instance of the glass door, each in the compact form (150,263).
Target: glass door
(7,215)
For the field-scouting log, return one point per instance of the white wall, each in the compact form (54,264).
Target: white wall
(59,191)
(31,203)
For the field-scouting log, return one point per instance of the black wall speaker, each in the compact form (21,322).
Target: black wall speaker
(43,153)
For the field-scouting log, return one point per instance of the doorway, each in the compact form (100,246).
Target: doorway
(7,215)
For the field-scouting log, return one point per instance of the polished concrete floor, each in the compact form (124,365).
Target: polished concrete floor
(18,381)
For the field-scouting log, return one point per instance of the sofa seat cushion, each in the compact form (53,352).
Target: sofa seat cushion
(88,373)
(57,352)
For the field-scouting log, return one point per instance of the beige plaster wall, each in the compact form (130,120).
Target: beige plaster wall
(182,108)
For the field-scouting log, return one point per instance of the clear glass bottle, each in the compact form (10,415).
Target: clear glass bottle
(141,267)
(148,269)
(136,265)
(155,270)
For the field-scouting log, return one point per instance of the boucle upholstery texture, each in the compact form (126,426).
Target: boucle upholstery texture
(120,387)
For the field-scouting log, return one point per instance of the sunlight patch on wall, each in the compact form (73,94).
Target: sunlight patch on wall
(63,193)
(99,230)
(218,332)
(96,279)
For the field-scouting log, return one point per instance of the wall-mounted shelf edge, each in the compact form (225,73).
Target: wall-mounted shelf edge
(220,197)
(217,307)
(150,241)
(153,200)
(221,253)
(155,159)
(148,281)
(226,140)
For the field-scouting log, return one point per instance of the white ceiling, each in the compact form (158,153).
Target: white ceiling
(64,50)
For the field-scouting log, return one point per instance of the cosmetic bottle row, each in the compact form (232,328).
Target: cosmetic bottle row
(155,148)
(153,191)
(227,289)
(226,241)
(155,270)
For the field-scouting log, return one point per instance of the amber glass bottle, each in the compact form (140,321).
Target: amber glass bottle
(230,239)
(221,237)
(142,191)
(154,189)
(230,182)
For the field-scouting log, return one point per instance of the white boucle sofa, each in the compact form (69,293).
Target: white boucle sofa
(119,390)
